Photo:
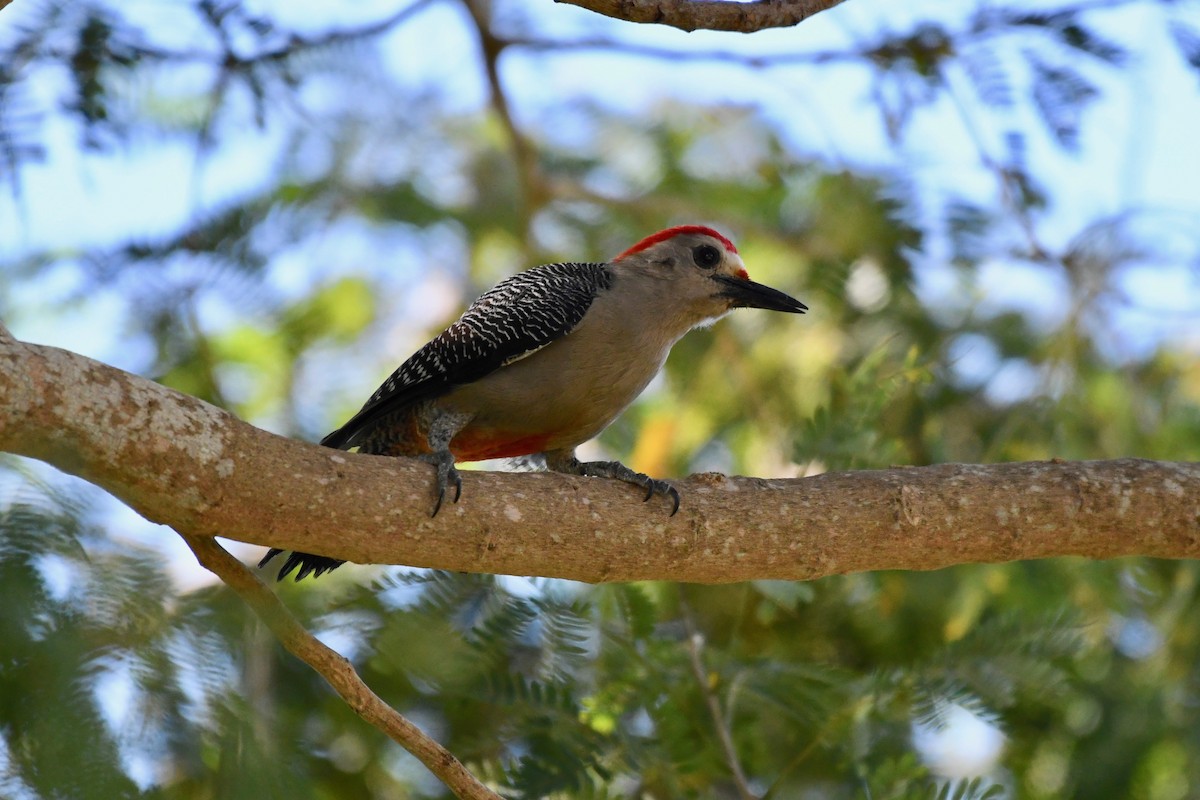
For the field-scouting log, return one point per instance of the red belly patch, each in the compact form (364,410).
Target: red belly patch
(476,445)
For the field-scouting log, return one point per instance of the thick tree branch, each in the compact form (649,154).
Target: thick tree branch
(335,669)
(184,463)
(714,15)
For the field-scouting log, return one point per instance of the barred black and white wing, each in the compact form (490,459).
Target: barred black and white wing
(514,319)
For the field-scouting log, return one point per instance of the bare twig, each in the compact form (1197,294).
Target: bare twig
(296,43)
(695,641)
(184,463)
(524,154)
(715,15)
(336,669)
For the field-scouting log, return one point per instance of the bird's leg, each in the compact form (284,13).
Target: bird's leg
(565,461)
(442,427)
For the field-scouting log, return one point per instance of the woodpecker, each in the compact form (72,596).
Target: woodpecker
(546,359)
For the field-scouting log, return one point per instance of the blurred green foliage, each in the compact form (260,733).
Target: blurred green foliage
(114,682)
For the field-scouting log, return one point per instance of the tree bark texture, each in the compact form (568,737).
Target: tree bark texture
(184,463)
(715,15)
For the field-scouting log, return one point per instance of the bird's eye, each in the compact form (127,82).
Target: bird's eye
(706,256)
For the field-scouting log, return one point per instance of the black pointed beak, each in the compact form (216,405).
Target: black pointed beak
(745,293)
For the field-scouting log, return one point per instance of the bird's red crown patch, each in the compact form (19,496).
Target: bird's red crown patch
(671,233)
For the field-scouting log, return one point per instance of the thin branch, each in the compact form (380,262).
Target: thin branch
(336,670)
(524,153)
(296,43)
(1005,180)
(695,641)
(715,15)
(181,462)
(346,35)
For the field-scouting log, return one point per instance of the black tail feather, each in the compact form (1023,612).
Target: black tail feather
(308,563)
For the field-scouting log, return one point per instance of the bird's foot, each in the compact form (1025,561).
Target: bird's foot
(446,474)
(618,471)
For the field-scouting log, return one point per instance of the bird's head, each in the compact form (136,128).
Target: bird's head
(704,269)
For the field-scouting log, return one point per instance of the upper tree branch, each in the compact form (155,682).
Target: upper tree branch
(714,15)
(184,463)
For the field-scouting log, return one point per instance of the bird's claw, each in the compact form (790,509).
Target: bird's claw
(446,474)
(443,479)
(655,486)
